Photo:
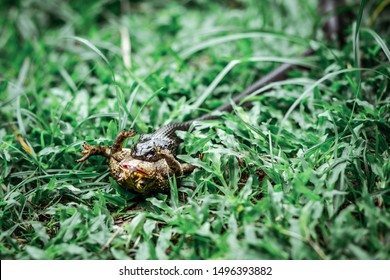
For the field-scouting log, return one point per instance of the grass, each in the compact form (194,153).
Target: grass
(303,174)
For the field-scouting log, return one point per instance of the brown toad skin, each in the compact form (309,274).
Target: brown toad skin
(152,177)
(140,176)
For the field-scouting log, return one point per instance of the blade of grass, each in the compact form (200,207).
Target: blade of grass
(379,40)
(310,90)
(233,63)
(234,37)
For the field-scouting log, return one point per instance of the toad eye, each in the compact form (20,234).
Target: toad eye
(141,184)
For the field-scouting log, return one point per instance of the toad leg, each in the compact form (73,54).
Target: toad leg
(187,168)
(176,167)
(118,143)
(90,150)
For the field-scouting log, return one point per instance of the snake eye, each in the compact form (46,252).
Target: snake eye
(151,154)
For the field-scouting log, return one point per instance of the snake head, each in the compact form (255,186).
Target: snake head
(148,149)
